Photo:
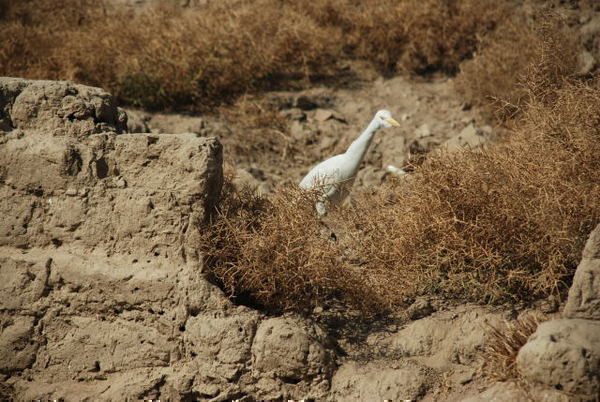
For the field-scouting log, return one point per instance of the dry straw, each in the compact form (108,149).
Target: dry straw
(169,57)
(505,341)
(502,224)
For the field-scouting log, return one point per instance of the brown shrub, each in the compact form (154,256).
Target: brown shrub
(166,57)
(516,61)
(263,130)
(32,31)
(409,35)
(504,223)
(278,252)
(506,339)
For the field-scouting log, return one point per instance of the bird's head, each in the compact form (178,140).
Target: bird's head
(384,118)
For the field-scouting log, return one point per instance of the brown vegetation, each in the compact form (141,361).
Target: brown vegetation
(506,339)
(167,57)
(506,223)
(517,57)
(274,250)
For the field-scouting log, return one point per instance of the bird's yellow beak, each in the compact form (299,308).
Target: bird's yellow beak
(392,122)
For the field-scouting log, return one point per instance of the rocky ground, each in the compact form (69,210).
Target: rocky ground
(102,291)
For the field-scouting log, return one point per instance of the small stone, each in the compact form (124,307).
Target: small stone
(587,63)
(323,114)
(297,130)
(423,131)
(564,354)
(295,114)
(420,308)
(71,192)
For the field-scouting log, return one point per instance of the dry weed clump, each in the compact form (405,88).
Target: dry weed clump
(502,224)
(276,251)
(516,61)
(410,35)
(506,339)
(32,31)
(264,130)
(169,57)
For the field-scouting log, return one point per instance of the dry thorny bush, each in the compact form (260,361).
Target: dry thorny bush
(273,250)
(506,223)
(505,341)
(518,57)
(169,57)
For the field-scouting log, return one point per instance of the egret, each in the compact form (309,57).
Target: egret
(335,176)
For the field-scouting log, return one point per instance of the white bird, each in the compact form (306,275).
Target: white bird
(336,175)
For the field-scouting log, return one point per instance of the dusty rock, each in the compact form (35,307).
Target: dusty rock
(323,114)
(58,108)
(221,339)
(16,343)
(176,124)
(137,121)
(500,392)
(442,339)
(83,347)
(130,179)
(379,381)
(288,350)
(99,265)
(512,392)
(564,354)
(420,308)
(469,137)
(584,294)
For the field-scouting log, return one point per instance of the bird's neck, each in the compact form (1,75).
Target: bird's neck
(359,146)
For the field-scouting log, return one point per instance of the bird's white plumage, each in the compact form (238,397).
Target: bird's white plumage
(335,176)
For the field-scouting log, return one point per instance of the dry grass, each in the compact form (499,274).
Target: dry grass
(500,355)
(264,130)
(504,224)
(167,57)
(277,252)
(502,80)
(410,35)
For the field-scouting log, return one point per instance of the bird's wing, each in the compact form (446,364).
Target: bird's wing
(326,172)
